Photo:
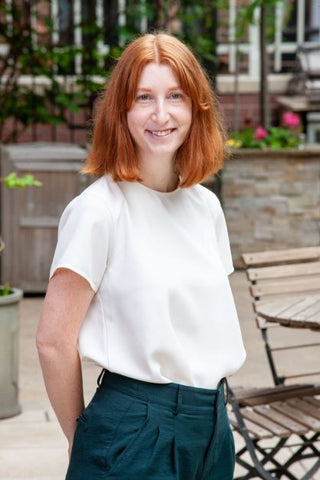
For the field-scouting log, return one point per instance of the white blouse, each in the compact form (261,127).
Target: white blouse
(163,310)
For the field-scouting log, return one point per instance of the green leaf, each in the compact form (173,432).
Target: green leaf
(13,181)
(5,290)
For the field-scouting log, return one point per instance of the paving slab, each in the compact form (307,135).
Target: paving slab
(32,446)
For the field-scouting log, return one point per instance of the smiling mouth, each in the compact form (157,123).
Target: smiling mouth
(161,133)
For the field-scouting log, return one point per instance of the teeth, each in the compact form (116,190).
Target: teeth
(161,133)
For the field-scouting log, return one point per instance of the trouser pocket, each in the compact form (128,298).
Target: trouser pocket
(128,442)
(96,431)
(220,459)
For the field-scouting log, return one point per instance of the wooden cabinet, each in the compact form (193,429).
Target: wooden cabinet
(29,218)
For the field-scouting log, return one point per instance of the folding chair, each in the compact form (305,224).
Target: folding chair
(279,426)
(306,74)
(272,274)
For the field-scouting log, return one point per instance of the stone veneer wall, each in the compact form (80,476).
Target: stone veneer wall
(271,200)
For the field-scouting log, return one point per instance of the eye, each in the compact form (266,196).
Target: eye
(176,95)
(143,97)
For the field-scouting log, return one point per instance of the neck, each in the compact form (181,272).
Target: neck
(159,174)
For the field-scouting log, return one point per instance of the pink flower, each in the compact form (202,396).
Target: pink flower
(290,119)
(260,133)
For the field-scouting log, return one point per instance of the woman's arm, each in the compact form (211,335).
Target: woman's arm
(66,303)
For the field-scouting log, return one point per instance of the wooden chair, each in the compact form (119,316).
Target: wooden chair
(309,59)
(306,75)
(273,274)
(279,426)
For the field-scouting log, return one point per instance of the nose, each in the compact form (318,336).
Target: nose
(161,114)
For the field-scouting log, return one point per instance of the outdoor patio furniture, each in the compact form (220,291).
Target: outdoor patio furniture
(313,127)
(293,312)
(309,58)
(306,77)
(280,428)
(280,425)
(279,274)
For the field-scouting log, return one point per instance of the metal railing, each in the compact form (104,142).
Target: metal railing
(300,26)
(68,29)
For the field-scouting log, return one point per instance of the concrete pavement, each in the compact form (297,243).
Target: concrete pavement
(32,446)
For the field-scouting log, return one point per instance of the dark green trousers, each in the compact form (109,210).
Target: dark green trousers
(134,430)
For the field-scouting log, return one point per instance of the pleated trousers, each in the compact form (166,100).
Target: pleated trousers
(134,430)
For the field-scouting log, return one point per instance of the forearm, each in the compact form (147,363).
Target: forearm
(67,301)
(62,374)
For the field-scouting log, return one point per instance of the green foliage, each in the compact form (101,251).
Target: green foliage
(198,25)
(276,138)
(49,100)
(246,15)
(13,181)
(52,102)
(5,290)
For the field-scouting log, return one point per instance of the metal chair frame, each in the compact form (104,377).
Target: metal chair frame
(279,258)
(256,414)
(268,467)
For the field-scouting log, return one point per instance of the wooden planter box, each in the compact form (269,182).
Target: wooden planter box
(29,218)
(271,199)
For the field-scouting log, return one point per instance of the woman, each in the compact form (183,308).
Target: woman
(139,282)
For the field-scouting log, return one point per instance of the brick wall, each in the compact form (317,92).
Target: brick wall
(248,114)
(272,200)
(249,110)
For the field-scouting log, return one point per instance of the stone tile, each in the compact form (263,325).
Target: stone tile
(32,446)
(33,463)
(31,435)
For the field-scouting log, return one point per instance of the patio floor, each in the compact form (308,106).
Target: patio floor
(32,446)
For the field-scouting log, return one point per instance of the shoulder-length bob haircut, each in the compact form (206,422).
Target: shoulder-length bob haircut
(113,150)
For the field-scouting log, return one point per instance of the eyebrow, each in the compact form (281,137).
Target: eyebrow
(146,89)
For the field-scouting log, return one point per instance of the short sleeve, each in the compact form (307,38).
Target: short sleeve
(221,231)
(223,241)
(83,240)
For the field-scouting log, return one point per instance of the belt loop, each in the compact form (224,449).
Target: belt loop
(100,378)
(178,400)
(224,388)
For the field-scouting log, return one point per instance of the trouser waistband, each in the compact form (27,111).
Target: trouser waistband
(168,394)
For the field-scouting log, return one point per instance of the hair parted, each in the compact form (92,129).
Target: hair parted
(113,152)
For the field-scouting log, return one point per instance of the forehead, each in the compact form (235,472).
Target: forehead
(155,74)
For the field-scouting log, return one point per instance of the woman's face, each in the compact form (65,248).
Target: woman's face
(161,114)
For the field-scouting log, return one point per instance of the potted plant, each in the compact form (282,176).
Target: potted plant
(270,189)
(288,135)
(9,323)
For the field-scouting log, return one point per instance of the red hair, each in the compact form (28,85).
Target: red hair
(113,150)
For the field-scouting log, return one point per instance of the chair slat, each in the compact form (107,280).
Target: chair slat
(285,291)
(253,429)
(283,420)
(297,414)
(303,306)
(262,396)
(312,401)
(276,256)
(283,271)
(262,323)
(299,308)
(289,286)
(265,422)
(305,407)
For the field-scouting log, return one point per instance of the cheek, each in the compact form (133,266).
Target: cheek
(188,120)
(135,121)
(186,114)
(131,121)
